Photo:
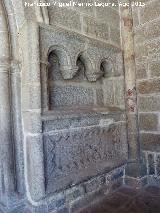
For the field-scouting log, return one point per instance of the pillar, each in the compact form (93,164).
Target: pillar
(135,170)
(6,151)
(130,82)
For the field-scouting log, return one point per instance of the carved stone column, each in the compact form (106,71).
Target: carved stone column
(6,151)
(130,82)
(135,168)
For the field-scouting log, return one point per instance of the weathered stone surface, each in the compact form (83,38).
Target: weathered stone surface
(152,161)
(106,14)
(148,50)
(115,35)
(65,17)
(31,97)
(109,94)
(59,121)
(132,151)
(148,121)
(153,47)
(18,209)
(152,180)
(75,193)
(149,86)
(141,69)
(117,174)
(150,141)
(158,164)
(85,151)
(149,103)
(35,174)
(119,92)
(33,122)
(150,11)
(151,164)
(100,97)
(135,16)
(130,81)
(96,29)
(147,32)
(154,68)
(141,52)
(135,170)
(71,96)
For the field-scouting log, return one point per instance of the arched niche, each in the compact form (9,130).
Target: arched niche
(66,66)
(68,89)
(83,66)
(92,74)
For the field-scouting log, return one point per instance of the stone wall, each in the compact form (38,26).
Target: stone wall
(97,22)
(94,138)
(101,24)
(147,53)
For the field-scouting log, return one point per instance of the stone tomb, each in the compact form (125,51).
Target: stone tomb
(82,136)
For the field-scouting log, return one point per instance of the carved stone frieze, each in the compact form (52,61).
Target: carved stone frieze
(75,155)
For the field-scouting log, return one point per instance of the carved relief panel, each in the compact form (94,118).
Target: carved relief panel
(76,154)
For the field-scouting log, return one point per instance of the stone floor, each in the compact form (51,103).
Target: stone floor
(128,200)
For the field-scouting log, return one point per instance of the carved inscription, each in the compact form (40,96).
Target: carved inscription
(71,157)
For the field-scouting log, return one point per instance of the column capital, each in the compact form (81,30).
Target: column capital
(68,72)
(94,76)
